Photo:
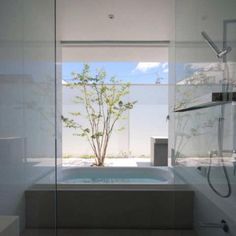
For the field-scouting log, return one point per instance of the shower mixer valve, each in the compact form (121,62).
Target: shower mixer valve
(234,164)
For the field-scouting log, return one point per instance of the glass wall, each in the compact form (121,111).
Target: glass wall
(27,114)
(145,69)
(203,143)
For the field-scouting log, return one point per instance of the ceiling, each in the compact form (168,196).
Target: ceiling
(133,19)
(96,20)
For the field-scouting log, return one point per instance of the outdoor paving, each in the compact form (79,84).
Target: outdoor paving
(117,162)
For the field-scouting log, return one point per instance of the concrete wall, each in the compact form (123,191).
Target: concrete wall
(27,104)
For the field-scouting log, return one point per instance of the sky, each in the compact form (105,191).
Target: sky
(133,72)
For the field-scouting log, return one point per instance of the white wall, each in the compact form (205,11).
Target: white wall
(111,53)
(146,119)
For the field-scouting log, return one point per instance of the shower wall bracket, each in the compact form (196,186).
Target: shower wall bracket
(222,225)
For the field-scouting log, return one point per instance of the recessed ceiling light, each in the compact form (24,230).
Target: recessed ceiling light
(111,16)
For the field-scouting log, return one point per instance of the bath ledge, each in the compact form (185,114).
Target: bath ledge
(9,225)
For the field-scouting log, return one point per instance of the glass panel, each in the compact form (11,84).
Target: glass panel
(27,117)
(204,119)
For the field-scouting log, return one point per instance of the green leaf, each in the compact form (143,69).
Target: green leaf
(75,113)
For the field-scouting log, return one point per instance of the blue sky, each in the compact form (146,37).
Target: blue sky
(133,72)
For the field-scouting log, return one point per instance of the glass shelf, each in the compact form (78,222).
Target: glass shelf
(208,100)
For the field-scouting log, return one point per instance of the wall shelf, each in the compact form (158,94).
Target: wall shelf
(208,100)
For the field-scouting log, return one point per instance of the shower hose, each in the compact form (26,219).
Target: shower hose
(229,191)
(225,89)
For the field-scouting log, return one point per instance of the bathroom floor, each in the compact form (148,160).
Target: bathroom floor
(69,232)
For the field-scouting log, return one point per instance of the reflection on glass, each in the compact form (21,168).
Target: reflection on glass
(27,104)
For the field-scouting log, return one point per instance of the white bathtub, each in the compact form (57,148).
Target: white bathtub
(112,178)
(115,175)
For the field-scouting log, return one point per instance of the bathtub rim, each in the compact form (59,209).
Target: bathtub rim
(171,184)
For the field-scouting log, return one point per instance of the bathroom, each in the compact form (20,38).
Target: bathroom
(194,194)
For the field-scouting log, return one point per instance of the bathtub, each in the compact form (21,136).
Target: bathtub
(115,175)
(111,178)
(111,198)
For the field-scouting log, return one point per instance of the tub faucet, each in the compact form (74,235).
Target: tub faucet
(213,153)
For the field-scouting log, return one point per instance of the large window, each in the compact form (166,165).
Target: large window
(148,86)
(132,72)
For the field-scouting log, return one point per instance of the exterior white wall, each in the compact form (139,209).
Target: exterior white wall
(146,119)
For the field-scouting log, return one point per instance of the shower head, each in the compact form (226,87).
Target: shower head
(218,52)
(224,52)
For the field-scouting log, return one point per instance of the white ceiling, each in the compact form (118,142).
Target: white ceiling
(87,20)
(133,19)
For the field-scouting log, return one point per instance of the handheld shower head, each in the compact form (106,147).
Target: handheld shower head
(224,52)
(219,53)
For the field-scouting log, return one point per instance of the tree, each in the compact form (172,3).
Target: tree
(104,105)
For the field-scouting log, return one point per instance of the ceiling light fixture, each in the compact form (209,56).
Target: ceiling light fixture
(111,16)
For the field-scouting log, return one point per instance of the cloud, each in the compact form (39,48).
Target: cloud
(164,65)
(145,66)
(166,70)
(64,82)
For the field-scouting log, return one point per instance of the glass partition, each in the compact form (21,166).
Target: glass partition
(203,144)
(27,116)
